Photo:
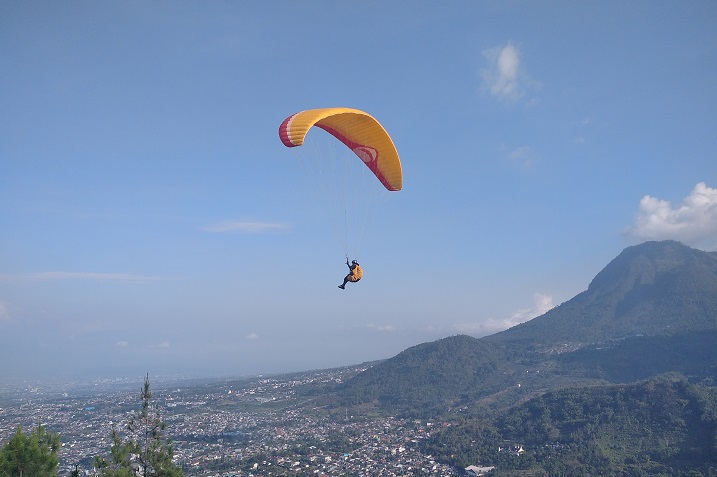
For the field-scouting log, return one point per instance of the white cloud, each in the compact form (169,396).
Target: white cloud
(382,327)
(694,222)
(504,77)
(541,304)
(126,345)
(252,336)
(522,156)
(245,227)
(519,154)
(4,313)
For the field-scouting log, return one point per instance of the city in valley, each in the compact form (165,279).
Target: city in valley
(231,427)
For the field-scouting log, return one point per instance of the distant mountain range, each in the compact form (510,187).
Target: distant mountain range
(652,310)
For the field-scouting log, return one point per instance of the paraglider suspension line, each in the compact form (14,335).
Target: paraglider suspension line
(346,232)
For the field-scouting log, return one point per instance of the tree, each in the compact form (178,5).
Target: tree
(144,451)
(32,456)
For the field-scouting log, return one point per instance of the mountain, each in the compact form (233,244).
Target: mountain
(650,289)
(662,426)
(653,309)
(437,371)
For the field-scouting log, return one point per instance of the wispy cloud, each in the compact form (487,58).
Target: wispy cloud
(133,347)
(542,303)
(57,275)
(522,156)
(252,336)
(247,227)
(693,222)
(387,328)
(4,313)
(504,77)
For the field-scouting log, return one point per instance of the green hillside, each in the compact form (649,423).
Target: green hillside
(664,426)
(428,376)
(650,289)
(652,310)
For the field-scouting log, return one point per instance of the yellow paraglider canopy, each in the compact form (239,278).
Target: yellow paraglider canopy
(358,130)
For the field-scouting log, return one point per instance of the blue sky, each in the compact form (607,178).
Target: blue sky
(152,221)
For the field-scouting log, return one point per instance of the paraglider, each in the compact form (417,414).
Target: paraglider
(355,273)
(359,131)
(352,134)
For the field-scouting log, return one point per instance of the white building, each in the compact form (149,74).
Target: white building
(476,471)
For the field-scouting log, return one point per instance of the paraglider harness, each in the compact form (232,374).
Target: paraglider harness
(356,271)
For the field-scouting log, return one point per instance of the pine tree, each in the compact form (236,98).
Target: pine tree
(30,456)
(145,451)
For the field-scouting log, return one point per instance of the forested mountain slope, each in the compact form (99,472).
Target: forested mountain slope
(649,289)
(663,426)
(432,373)
(653,309)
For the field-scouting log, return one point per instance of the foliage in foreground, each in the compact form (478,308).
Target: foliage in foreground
(143,449)
(33,455)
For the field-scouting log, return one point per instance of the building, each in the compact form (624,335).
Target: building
(476,471)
